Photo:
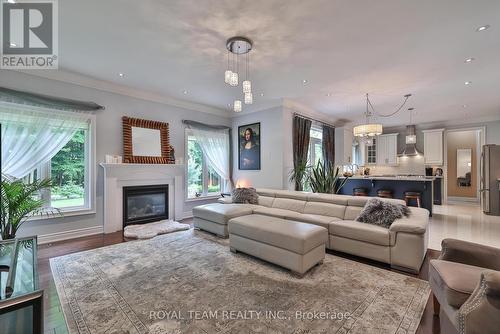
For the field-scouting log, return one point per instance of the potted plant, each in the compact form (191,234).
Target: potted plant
(326,178)
(18,203)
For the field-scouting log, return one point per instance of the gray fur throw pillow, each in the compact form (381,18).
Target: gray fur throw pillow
(382,213)
(245,196)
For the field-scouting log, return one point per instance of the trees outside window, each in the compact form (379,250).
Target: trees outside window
(202,179)
(68,170)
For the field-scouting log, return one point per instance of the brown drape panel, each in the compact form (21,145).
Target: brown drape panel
(328,145)
(301,136)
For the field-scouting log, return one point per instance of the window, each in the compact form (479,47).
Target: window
(69,172)
(315,146)
(202,179)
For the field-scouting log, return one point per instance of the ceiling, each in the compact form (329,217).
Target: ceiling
(344,49)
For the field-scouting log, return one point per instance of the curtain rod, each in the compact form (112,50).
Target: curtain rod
(47,101)
(314,120)
(203,125)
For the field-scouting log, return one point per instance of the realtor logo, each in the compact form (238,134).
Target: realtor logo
(29,34)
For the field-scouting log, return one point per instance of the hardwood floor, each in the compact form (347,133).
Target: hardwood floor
(54,322)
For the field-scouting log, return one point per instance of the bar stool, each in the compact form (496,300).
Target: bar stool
(360,192)
(416,195)
(385,193)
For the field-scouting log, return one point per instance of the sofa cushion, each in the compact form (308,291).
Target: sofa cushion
(278,213)
(328,198)
(325,209)
(456,280)
(296,237)
(289,204)
(351,212)
(221,213)
(265,201)
(360,231)
(323,221)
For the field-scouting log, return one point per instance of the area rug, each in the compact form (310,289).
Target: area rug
(189,282)
(151,230)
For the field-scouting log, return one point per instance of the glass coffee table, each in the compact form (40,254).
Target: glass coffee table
(21,299)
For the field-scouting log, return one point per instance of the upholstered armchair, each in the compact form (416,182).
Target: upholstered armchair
(465,283)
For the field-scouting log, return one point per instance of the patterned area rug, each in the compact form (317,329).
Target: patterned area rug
(189,282)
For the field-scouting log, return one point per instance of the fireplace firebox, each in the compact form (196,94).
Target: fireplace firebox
(145,204)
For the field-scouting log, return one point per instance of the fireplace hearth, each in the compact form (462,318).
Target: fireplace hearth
(145,204)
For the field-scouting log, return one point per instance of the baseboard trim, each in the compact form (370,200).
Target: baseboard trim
(187,215)
(72,234)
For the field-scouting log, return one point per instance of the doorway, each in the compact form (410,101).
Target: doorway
(462,154)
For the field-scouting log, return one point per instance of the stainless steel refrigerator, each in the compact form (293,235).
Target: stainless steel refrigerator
(490,179)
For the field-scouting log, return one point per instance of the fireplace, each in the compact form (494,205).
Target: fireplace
(145,204)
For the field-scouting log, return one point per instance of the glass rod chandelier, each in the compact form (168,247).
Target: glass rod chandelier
(237,46)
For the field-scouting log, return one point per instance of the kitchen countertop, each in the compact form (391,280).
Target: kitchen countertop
(393,178)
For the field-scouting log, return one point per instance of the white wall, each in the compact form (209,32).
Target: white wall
(109,134)
(271,144)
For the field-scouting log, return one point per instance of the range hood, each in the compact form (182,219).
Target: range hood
(411,142)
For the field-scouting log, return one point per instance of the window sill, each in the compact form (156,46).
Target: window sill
(64,214)
(202,198)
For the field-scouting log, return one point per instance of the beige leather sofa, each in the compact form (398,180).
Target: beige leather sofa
(403,245)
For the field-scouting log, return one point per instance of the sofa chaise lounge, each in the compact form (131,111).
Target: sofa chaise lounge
(403,245)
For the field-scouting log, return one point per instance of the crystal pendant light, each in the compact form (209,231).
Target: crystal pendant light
(233,81)
(248,98)
(247,86)
(237,106)
(227,76)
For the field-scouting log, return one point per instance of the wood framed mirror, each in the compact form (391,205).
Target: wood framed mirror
(145,141)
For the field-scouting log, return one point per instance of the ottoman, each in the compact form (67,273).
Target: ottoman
(290,244)
(214,217)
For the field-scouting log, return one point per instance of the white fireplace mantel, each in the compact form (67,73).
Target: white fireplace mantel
(117,176)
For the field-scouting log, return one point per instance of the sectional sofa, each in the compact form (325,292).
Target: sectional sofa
(403,245)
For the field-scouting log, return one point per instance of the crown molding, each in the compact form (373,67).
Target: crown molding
(308,111)
(110,87)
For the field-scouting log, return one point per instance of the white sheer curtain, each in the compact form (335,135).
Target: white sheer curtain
(215,146)
(33,135)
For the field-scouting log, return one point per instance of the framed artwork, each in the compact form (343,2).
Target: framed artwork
(249,147)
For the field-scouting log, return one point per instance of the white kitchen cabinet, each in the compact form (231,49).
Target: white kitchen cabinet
(343,146)
(387,149)
(433,147)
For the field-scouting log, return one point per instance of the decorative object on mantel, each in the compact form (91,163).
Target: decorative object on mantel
(368,129)
(171,157)
(145,141)
(151,230)
(114,159)
(237,46)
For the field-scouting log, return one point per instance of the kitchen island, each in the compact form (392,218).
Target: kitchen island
(398,185)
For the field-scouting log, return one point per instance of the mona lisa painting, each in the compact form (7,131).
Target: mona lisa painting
(249,147)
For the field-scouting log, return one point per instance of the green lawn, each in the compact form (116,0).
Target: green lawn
(64,203)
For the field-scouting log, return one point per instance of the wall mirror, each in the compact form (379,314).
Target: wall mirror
(464,167)
(145,141)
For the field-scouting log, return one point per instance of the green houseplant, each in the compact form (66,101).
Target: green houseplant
(326,178)
(299,174)
(19,203)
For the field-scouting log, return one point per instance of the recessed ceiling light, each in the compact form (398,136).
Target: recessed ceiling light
(261,94)
(483,28)
(304,81)
(468,82)
(121,75)
(469,60)
(185,92)
(328,94)
(464,106)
